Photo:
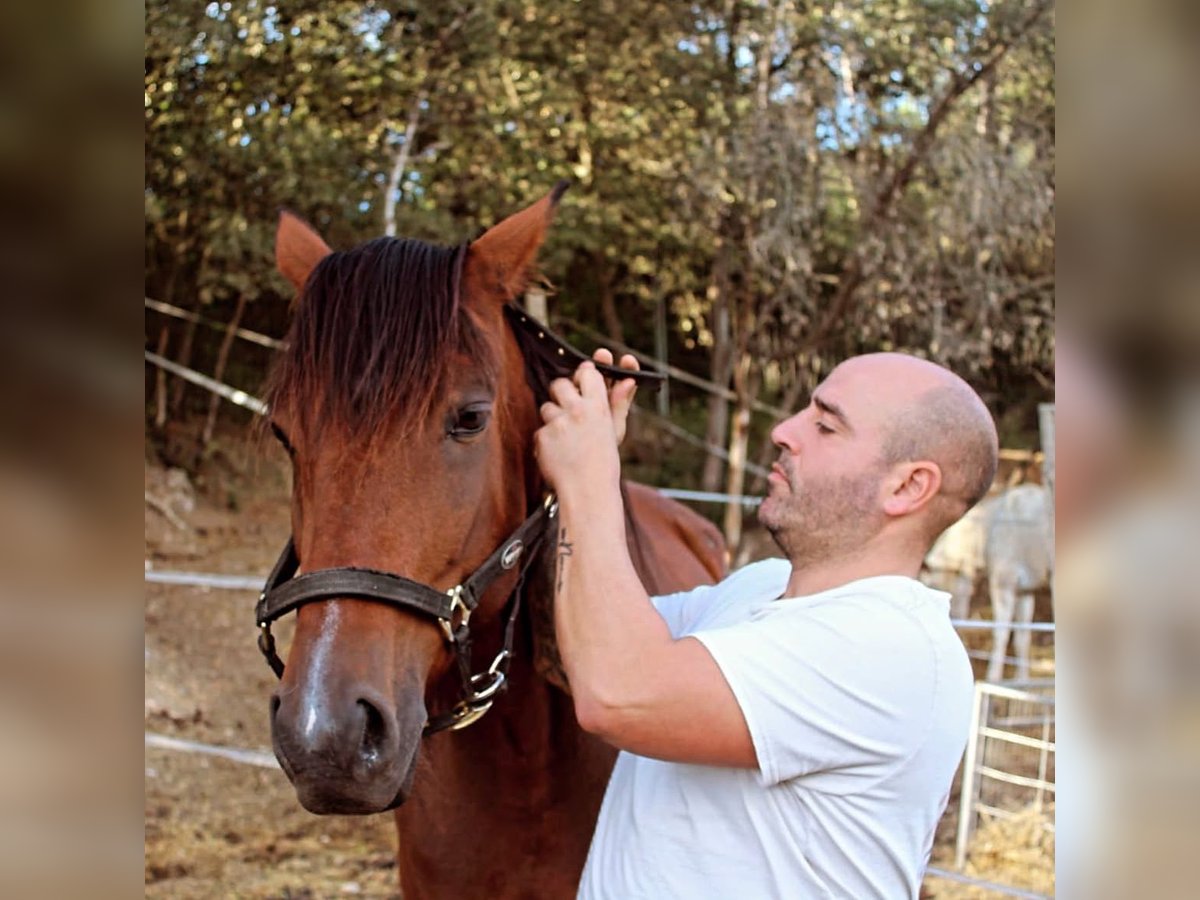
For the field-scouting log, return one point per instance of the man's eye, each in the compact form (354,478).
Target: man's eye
(823,428)
(470,420)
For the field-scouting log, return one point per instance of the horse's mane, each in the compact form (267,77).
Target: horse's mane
(373,337)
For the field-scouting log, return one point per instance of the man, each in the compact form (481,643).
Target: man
(792,731)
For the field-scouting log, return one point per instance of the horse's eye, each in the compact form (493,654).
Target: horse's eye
(471,420)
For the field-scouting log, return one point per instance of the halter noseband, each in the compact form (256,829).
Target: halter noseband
(286,591)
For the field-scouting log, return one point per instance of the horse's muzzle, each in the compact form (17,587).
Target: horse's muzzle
(350,757)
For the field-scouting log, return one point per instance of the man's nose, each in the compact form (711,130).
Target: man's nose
(783,434)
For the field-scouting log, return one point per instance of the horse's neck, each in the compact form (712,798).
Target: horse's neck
(524,781)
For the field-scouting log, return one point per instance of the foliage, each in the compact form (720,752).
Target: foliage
(796,180)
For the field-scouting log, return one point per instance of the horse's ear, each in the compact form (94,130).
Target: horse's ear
(502,259)
(298,249)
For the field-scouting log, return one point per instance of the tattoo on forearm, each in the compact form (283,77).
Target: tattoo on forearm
(565,549)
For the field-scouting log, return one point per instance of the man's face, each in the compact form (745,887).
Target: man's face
(823,493)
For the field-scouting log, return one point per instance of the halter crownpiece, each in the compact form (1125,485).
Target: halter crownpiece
(560,358)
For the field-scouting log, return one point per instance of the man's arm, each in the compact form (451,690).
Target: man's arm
(633,684)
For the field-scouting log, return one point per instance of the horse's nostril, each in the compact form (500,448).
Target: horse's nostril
(375,735)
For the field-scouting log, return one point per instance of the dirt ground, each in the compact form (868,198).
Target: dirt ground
(217,828)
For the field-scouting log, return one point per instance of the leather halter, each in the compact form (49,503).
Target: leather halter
(547,356)
(286,591)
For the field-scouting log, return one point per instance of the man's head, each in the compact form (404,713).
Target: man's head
(891,446)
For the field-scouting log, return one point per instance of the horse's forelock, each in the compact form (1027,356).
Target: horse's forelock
(374,337)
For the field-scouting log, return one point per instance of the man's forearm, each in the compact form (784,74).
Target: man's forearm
(609,633)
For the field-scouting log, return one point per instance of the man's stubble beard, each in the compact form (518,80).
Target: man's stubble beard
(826,520)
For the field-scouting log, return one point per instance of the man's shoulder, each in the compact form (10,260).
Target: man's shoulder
(874,615)
(899,591)
(731,600)
(765,574)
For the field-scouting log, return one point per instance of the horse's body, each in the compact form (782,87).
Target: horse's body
(405,402)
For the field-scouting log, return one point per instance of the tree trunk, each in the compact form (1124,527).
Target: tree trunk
(661,351)
(739,441)
(189,337)
(399,164)
(717,428)
(214,402)
(185,359)
(608,301)
(160,381)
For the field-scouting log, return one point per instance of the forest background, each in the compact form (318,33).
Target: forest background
(760,188)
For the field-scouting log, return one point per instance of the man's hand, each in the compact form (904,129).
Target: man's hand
(585,421)
(620,393)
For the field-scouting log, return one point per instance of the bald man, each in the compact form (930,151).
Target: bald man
(792,731)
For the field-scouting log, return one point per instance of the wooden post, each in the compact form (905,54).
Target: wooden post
(535,303)
(1046,426)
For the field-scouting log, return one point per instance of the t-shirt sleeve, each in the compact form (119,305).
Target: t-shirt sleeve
(679,610)
(845,686)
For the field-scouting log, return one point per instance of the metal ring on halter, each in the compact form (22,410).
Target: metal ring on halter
(500,660)
(489,691)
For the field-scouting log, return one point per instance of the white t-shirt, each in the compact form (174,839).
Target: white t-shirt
(858,701)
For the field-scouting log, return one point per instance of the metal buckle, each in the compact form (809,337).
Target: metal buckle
(456,605)
(464,714)
(473,708)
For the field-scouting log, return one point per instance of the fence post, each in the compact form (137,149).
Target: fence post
(1046,426)
(966,800)
(535,303)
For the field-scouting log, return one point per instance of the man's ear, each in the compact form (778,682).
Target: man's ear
(911,486)
(298,249)
(500,263)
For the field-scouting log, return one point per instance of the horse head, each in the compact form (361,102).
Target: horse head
(402,401)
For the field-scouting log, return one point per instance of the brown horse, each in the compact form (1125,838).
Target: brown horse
(408,407)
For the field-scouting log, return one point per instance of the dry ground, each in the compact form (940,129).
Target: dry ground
(216,828)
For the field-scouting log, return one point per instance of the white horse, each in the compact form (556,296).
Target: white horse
(1008,540)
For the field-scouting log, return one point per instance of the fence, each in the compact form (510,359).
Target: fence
(1008,769)
(1010,752)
